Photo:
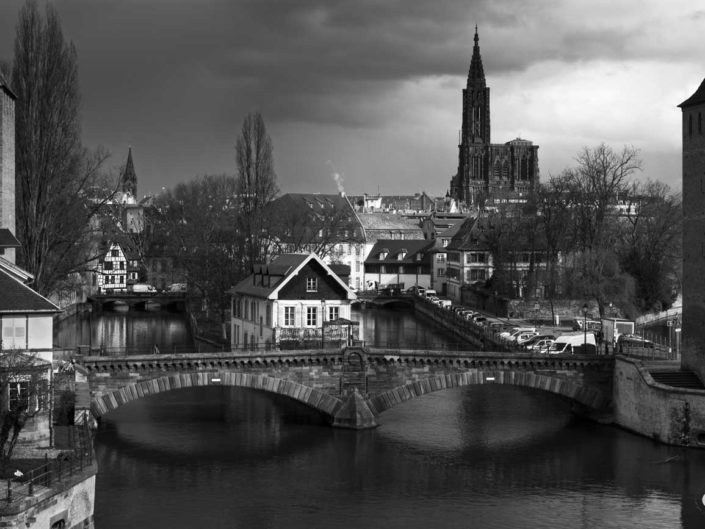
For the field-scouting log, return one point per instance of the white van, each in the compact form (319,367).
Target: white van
(574,343)
(430,293)
(143,288)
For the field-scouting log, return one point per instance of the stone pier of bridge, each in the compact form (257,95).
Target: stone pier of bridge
(352,387)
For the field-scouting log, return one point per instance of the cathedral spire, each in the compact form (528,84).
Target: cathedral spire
(129,178)
(476,75)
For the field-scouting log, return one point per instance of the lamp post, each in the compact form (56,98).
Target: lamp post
(585,309)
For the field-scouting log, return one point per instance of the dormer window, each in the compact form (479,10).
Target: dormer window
(383,254)
(401,255)
(311,284)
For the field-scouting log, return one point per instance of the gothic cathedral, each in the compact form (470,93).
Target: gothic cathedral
(489,173)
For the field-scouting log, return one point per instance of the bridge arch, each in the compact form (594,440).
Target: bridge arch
(590,397)
(311,397)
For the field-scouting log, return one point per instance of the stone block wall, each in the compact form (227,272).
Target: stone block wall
(71,500)
(670,415)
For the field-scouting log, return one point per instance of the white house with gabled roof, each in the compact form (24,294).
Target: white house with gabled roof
(295,301)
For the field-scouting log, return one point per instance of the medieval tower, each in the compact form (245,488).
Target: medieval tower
(7,172)
(489,172)
(693,130)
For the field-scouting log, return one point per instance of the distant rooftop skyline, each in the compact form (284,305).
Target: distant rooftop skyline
(367,97)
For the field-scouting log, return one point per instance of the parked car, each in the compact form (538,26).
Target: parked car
(540,346)
(626,341)
(514,331)
(524,337)
(177,287)
(539,336)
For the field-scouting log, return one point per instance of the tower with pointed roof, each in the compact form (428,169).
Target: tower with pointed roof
(693,132)
(129,178)
(486,171)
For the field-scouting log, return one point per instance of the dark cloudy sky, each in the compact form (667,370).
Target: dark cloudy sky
(371,89)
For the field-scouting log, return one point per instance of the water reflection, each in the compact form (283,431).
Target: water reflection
(139,332)
(484,456)
(398,327)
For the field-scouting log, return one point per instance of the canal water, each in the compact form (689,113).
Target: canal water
(486,457)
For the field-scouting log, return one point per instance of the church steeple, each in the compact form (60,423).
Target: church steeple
(476,74)
(129,178)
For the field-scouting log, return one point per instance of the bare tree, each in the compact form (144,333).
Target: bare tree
(256,183)
(195,225)
(24,390)
(56,177)
(651,246)
(594,187)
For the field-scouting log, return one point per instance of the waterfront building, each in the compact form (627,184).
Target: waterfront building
(396,262)
(439,259)
(472,260)
(294,301)
(488,172)
(383,226)
(117,269)
(693,133)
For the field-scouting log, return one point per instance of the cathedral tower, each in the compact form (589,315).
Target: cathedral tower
(693,130)
(487,172)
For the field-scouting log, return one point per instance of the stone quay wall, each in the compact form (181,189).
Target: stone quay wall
(674,416)
(71,500)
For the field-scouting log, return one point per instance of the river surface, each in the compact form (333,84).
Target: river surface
(485,457)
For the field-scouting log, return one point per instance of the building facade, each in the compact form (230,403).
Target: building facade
(402,263)
(693,132)
(487,172)
(296,301)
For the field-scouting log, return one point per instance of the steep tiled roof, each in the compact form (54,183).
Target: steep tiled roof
(697,98)
(7,240)
(268,278)
(411,249)
(6,87)
(18,298)
(466,236)
(387,221)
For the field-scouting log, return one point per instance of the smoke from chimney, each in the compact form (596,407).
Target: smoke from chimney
(338,178)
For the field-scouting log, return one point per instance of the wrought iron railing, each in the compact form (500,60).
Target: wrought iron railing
(51,473)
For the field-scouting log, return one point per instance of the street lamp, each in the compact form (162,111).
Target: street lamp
(585,309)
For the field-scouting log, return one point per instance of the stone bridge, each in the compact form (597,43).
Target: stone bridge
(352,387)
(140,300)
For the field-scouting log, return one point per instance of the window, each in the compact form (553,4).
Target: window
(357,266)
(311,284)
(700,123)
(333,313)
(289,314)
(108,265)
(311,316)
(114,253)
(19,393)
(122,265)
